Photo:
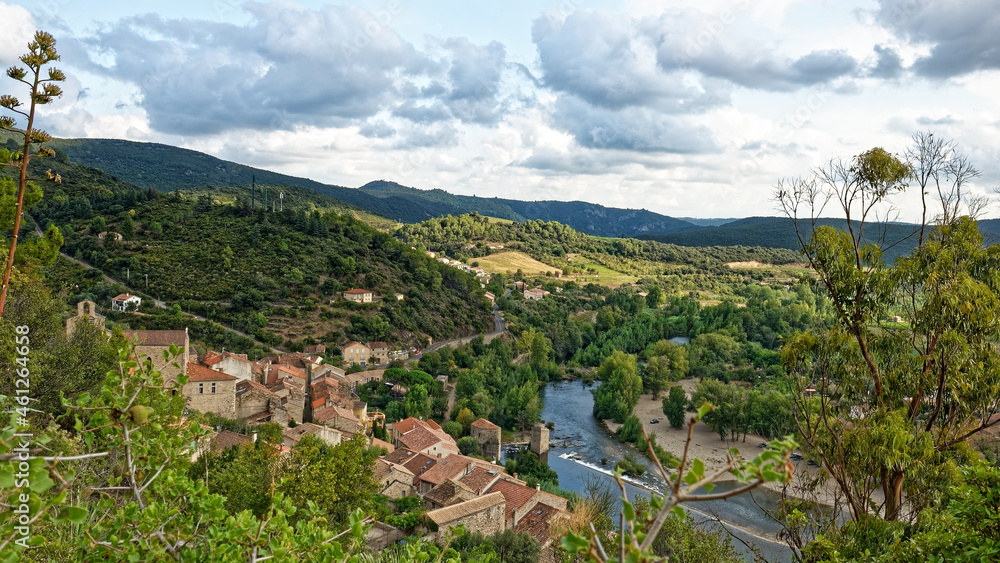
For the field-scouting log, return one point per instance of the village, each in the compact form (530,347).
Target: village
(307,395)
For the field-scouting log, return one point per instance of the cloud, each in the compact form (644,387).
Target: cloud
(889,65)
(18,29)
(638,129)
(292,67)
(961,34)
(692,40)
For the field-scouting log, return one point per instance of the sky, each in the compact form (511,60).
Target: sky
(690,108)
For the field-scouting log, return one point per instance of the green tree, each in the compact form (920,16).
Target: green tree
(923,387)
(243,474)
(669,365)
(127,228)
(620,388)
(675,406)
(468,445)
(337,479)
(417,403)
(42,90)
(466,417)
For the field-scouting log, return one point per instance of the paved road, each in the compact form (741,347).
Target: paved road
(157,302)
(499,327)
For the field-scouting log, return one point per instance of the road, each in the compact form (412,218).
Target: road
(499,327)
(156,302)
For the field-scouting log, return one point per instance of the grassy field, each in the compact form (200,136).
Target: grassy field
(587,270)
(512,261)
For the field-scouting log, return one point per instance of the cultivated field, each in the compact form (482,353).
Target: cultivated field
(512,261)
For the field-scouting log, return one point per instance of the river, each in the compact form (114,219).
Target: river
(569,405)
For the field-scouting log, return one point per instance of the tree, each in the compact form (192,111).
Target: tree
(417,403)
(466,417)
(127,227)
(620,388)
(669,365)
(675,406)
(468,445)
(41,51)
(894,399)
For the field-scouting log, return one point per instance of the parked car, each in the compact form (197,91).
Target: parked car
(796,456)
(762,445)
(654,421)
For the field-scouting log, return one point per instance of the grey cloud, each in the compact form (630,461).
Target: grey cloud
(889,64)
(631,129)
(962,35)
(377,130)
(925,121)
(291,67)
(689,39)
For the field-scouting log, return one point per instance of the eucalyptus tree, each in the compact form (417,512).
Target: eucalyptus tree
(910,370)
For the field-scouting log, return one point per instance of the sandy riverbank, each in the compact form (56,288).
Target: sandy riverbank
(707,446)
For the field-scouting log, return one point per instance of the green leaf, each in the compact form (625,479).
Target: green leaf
(698,468)
(574,543)
(6,479)
(709,487)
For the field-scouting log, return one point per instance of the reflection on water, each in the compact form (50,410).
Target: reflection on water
(578,445)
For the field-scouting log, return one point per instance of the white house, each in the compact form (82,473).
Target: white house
(126,302)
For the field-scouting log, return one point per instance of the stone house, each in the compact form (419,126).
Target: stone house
(236,365)
(359,295)
(482,514)
(490,297)
(454,467)
(254,399)
(125,302)
(210,391)
(396,479)
(151,344)
(379,352)
(488,436)
(541,523)
(229,439)
(535,294)
(355,352)
(340,418)
(331,436)
(435,443)
(351,381)
(86,312)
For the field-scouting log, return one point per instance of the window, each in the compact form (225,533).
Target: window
(201,388)
(213,387)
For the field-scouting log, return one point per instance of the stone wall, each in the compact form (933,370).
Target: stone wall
(222,402)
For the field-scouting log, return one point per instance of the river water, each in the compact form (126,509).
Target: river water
(569,405)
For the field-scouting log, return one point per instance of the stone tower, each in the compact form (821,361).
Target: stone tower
(488,436)
(540,441)
(86,311)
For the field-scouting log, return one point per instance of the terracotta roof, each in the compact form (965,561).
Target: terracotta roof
(333,411)
(227,439)
(407,424)
(157,337)
(463,509)
(383,444)
(360,405)
(210,358)
(358,291)
(377,344)
(245,385)
(516,495)
(124,296)
(315,349)
(362,375)
(448,492)
(317,403)
(197,372)
(480,479)
(485,424)
(537,523)
(421,438)
(452,467)
(262,416)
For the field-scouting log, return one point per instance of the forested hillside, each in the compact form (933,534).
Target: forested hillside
(470,236)
(271,274)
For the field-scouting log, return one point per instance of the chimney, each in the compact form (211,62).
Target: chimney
(538,486)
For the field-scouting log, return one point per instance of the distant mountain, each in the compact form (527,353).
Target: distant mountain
(710,222)
(171,168)
(589,218)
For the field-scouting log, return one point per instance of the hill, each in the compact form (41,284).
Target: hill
(585,217)
(169,168)
(276,275)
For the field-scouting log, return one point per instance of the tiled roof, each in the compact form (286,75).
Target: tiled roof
(358,291)
(157,337)
(123,297)
(452,467)
(198,372)
(463,509)
(333,411)
(448,492)
(245,385)
(360,405)
(383,444)
(537,523)
(363,375)
(485,424)
(377,344)
(420,438)
(516,495)
(480,479)
(227,439)
(407,424)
